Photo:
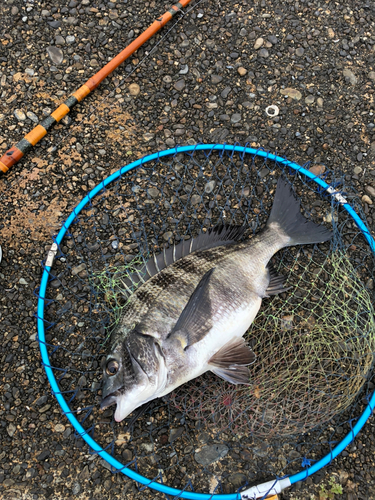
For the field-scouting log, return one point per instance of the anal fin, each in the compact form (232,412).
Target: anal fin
(276,284)
(231,361)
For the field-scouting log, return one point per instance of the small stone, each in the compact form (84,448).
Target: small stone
(348,73)
(319,102)
(55,54)
(59,428)
(11,430)
(78,269)
(371,75)
(370,190)
(184,70)
(32,116)
(70,39)
(242,71)
(209,187)
(167,79)
(216,78)
(366,199)
(76,488)
(237,480)
(263,53)
(357,170)
(59,40)
(134,89)
(180,85)
(309,99)
(176,433)
(211,453)
(168,235)
(258,43)
(148,136)
(85,474)
(29,71)
(195,199)
(235,118)
(14,11)
(331,33)
(300,51)
(19,114)
(225,92)
(153,192)
(293,93)
(317,169)
(22,281)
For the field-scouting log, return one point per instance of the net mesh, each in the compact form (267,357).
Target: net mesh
(314,343)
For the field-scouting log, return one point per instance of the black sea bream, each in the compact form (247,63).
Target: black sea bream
(196,302)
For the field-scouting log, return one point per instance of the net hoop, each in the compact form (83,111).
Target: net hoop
(260,491)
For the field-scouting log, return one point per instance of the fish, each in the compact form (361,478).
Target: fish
(194,302)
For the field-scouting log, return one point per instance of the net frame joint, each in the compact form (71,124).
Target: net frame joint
(51,254)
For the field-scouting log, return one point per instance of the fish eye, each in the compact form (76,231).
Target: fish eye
(112,367)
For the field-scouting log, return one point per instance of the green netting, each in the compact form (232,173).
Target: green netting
(314,353)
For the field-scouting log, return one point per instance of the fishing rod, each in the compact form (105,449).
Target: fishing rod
(15,153)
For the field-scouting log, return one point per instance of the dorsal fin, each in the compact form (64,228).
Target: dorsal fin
(214,237)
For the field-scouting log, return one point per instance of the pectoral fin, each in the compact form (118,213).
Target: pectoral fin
(195,320)
(230,362)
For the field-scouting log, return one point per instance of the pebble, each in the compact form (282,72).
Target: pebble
(371,75)
(242,71)
(263,53)
(29,71)
(184,70)
(55,54)
(293,93)
(209,187)
(32,116)
(76,488)
(59,40)
(216,78)
(78,269)
(22,281)
(167,79)
(153,192)
(176,433)
(11,430)
(319,102)
(300,51)
(258,43)
(179,85)
(370,190)
(238,480)
(59,428)
(348,73)
(19,114)
(70,39)
(317,169)
(235,118)
(134,89)
(309,99)
(148,136)
(367,199)
(195,199)
(210,454)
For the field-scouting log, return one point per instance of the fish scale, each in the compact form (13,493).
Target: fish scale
(194,303)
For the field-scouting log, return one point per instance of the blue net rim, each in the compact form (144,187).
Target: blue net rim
(41,329)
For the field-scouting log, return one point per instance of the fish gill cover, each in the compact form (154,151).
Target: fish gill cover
(314,343)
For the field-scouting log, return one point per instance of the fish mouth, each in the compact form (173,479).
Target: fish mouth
(108,401)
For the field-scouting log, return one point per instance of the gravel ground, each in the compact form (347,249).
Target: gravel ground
(209,80)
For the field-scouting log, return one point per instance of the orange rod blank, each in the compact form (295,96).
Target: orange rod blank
(15,153)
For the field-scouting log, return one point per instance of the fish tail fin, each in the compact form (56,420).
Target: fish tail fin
(287,215)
